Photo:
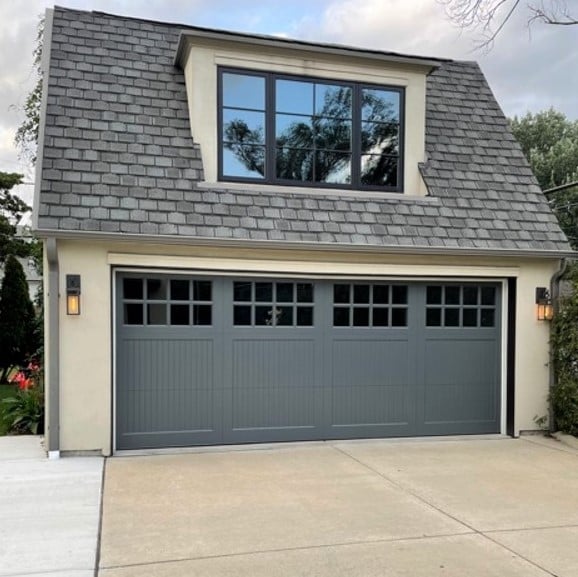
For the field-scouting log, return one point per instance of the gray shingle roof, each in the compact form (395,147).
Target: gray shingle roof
(118,157)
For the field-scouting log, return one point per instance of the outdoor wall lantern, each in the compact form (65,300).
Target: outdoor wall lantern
(72,294)
(544,307)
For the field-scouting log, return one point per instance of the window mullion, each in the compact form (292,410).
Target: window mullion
(270,150)
(356,136)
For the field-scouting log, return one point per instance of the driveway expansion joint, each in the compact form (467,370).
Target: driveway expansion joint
(441,511)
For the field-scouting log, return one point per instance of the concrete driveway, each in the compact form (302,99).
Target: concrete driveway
(499,507)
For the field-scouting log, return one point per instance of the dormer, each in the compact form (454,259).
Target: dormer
(271,112)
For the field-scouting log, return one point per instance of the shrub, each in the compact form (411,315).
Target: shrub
(564,342)
(24,412)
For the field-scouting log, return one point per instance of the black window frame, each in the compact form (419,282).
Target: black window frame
(270,146)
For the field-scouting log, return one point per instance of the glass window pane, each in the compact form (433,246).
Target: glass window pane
(434,295)
(332,134)
(379,170)
(361,317)
(202,290)
(304,316)
(243,161)
(333,167)
(284,316)
(242,291)
(294,96)
(361,293)
(293,131)
(243,126)
(487,318)
(470,295)
(399,294)
(304,292)
(452,317)
(157,314)
(470,317)
(433,317)
(333,100)
(398,317)
(264,292)
(452,295)
(381,294)
(294,164)
(241,315)
(180,315)
(156,289)
(264,316)
(488,295)
(380,105)
(180,290)
(380,138)
(132,288)
(243,91)
(284,292)
(380,317)
(340,316)
(133,314)
(341,293)
(202,314)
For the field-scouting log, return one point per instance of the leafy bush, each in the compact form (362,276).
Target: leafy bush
(24,413)
(564,393)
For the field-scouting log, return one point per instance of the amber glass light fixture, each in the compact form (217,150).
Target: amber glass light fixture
(73,294)
(544,306)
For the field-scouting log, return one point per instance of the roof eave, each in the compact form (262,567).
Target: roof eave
(303,245)
(300,45)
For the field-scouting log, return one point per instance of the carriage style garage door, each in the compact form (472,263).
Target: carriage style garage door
(209,360)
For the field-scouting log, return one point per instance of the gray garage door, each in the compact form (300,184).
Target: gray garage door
(210,360)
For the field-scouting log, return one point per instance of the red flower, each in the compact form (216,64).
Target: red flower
(23,382)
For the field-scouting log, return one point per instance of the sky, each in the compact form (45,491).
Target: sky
(528,68)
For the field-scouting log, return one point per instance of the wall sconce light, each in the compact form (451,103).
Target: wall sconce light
(544,307)
(73,294)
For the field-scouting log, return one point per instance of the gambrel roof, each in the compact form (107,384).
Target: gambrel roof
(118,157)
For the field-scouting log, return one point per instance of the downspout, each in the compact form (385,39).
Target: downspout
(555,295)
(52,332)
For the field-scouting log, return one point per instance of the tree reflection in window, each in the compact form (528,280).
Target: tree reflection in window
(345,134)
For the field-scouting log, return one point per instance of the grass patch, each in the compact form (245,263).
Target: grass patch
(5,391)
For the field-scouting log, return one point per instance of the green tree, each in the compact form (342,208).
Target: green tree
(18,334)
(12,208)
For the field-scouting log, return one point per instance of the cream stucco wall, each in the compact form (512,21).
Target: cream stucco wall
(86,340)
(204,56)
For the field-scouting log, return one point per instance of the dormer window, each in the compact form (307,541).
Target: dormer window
(290,130)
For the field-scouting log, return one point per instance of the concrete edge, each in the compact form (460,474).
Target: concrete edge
(567,440)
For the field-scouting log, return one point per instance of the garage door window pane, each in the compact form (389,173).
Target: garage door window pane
(487,318)
(284,292)
(452,295)
(361,293)
(380,317)
(263,316)
(434,317)
(304,316)
(488,295)
(470,295)
(133,314)
(264,292)
(381,294)
(452,317)
(242,315)
(304,293)
(202,315)
(398,317)
(434,295)
(180,315)
(361,317)
(341,317)
(284,316)
(156,289)
(157,314)
(341,293)
(399,295)
(132,289)
(470,317)
(180,290)
(202,290)
(242,291)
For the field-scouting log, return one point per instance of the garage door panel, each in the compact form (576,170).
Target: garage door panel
(461,382)
(274,383)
